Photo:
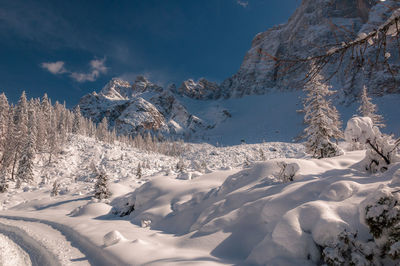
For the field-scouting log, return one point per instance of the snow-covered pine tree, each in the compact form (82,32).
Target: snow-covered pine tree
(101,190)
(322,119)
(3,181)
(61,120)
(180,165)
(55,190)
(53,140)
(77,122)
(45,110)
(102,130)
(368,109)
(10,143)
(25,165)
(21,130)
(4,116)
(139,171)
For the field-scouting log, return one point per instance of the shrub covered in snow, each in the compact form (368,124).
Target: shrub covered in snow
(287,171)
(382,215)
(348,251)
(180,165)
(380,211)
(381,149)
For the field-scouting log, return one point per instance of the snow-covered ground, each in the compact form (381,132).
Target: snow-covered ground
(228,206)
(274,116)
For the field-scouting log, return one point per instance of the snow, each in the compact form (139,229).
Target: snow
(11,254)
(113,238)
(227,206)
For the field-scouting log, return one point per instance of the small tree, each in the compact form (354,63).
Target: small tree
(368,109)
(139,171)
(101,189)
(3,182)
(262,155)
(55,190)
(180,165)
(322,119)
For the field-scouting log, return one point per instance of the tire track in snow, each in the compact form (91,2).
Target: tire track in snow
(95,255)
(38,254)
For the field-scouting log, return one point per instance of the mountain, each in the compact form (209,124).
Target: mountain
(314,26)
(219,113)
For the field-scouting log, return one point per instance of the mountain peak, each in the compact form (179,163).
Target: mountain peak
(117,88)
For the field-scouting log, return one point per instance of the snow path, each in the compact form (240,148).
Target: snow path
(11,254)
(50,243)
(38,254)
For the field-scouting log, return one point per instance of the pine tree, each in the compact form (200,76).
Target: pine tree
(55,190)
(10,143)
(77,122)
(21,130)
(322,119)
(139,171)
(25,165)
(368,109)
(101,187)
(102,130)
(3,181)
(4,116)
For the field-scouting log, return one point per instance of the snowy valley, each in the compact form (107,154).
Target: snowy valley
(252,171)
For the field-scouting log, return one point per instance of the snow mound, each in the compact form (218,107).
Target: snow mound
(339,191)
(112,238)
(93,209)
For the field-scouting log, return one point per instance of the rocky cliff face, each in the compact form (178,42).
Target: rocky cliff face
(315,25)
(201,90)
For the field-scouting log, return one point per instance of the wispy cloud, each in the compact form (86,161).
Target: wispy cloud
(54,68)
(96,68)
(242,3)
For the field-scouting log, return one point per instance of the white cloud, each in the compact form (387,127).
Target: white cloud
(54,68)
(242,3)
(97,67)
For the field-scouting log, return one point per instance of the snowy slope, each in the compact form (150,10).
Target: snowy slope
(228,206)
(73,218)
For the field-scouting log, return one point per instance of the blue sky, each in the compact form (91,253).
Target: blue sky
(70,48)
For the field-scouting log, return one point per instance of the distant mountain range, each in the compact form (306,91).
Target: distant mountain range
(205,111)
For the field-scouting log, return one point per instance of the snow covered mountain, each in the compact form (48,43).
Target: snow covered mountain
(140,107)
(206,111)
